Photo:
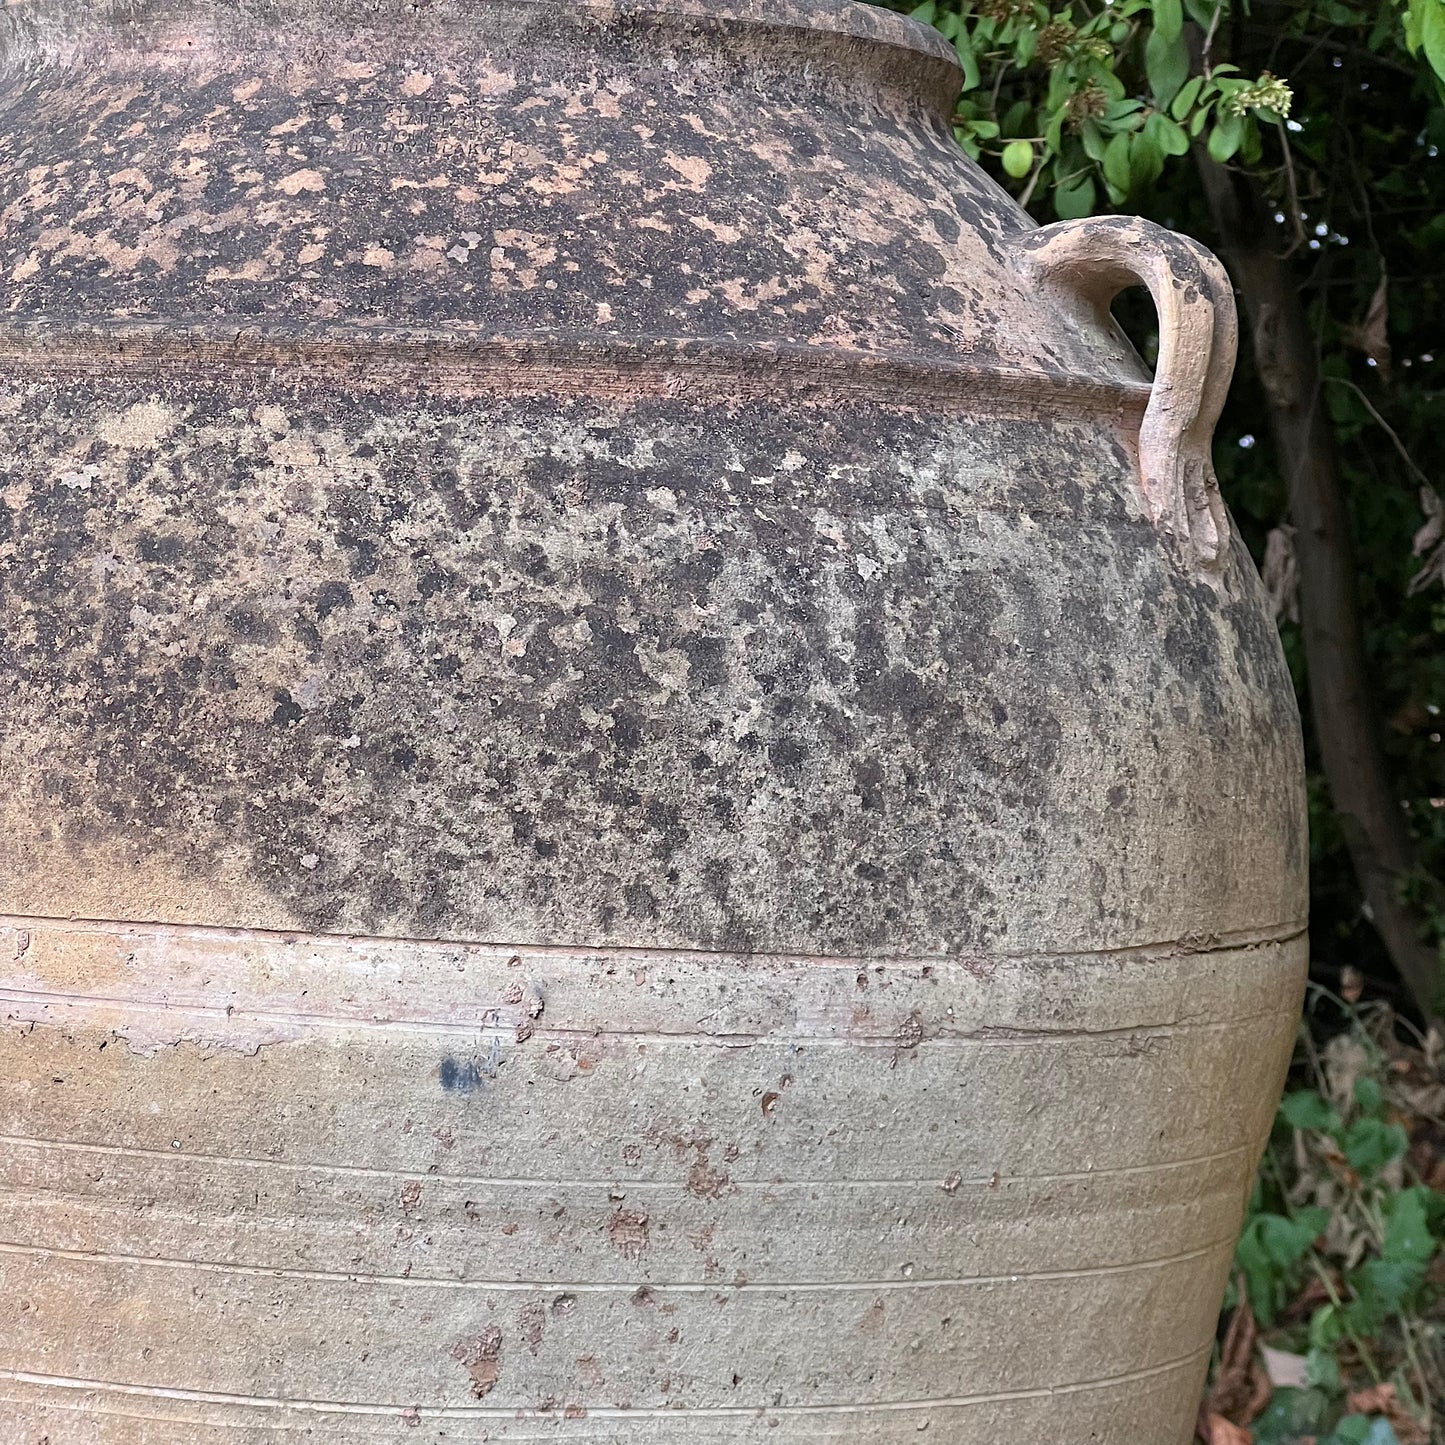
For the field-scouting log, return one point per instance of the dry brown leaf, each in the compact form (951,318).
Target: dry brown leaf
(1306,1302)
(1434,525)
(1385,1400)
(1213,1429)
(1280,573)
(1430,538)
(1241,1388)
(1233,1384)
(1346,1059)
(1409,717)
(1286,1371)
(1372,334)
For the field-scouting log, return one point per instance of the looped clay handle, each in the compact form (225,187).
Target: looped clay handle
(1091,261)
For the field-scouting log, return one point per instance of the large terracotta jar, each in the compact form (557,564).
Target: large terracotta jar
(644,799)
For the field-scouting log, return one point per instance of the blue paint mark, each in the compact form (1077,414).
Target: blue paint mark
(460,1077)
(466,1076)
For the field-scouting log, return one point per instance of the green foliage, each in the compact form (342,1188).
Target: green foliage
(1297,1415)
(1335,1256)
(1425,32)
(1090,101)
(1271,1255)
(1104,93)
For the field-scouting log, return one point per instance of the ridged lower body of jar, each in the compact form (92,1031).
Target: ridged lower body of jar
(629,900)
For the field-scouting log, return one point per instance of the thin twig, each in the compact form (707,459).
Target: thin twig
(1337,47)
(1388,429)
(1368,1359)
(997,86)
(1028,191)
(1209,38)
(1296,211)
(1420,1377)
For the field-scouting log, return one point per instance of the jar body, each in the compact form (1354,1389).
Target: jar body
(554,878)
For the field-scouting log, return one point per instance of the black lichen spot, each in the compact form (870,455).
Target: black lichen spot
(787,754)
(640,899)
(163,548)
(248,626)
(330,597)
(707,659)
(287,710)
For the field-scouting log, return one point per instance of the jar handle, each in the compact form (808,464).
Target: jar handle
(1091,261)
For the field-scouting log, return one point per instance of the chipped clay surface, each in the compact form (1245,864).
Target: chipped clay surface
(670,854)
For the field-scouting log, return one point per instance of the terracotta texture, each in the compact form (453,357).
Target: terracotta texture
(644,798)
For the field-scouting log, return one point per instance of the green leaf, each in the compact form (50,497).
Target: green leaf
(1407,1235)
(1166,135)
(1290,1414)
(1123,109)
(926,13)
(1370,1144)
(1368,1095)
(1322,1369)
(1116,163)
(1269,1252)
(1183,103)
(1361,1430)
(964,46)
(1305,1109)
(1166,63)
(1432,33)
(1250,148)
(1288,1240)
(1382,1432)
(1169,18)
(1386,1285)
(1018,158)
(1107,81)
(1225,137)
(1327,1329)
(1054,137)
(1146,162)
(1075,199)
(1092,139)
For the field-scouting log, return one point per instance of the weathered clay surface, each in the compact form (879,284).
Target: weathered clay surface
(679,851)
(616,1194)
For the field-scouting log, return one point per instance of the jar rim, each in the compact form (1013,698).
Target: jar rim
(849,18)
(861,38)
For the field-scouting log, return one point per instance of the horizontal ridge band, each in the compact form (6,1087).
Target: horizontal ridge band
(472,363)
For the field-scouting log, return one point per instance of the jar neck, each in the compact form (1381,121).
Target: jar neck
(840,41)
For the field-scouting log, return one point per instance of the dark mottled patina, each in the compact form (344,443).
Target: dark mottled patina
(637,807)
(629,650)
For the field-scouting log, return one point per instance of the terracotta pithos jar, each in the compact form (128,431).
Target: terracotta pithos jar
(644,799)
